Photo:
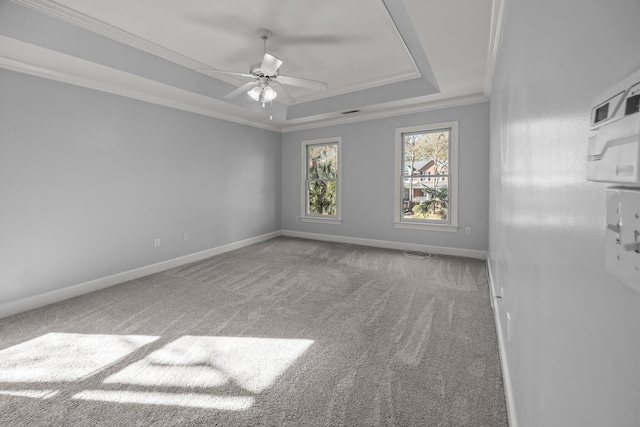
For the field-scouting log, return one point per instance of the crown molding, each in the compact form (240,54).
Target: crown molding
(81,20)
(19,56)
(16,55)
(63,13)
(359,86)
(497,18)
(391,112)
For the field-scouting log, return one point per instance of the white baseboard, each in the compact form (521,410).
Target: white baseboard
(30,303)
(36,301)
(508,390)
(387,244)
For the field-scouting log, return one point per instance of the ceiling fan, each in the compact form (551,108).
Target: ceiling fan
(267,81)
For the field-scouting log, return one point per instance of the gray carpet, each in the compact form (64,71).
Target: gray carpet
(287,332)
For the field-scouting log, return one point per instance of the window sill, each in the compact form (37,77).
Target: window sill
(320,220)
(449,228)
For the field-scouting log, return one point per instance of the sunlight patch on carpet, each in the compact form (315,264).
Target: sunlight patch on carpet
(34,394)
(65,357)
(203,361)
(191,400)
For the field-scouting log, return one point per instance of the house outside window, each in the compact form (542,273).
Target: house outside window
(321,180)
(426,177)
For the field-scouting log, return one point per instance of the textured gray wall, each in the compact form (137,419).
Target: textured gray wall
(574,349)
(88,180)
(368,178)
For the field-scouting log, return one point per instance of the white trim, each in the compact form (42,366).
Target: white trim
(452,225)
(36,301)
(81,20)
(449,228)
(387,244)
(385,112)
(337,219)
(320,220)
(364,85)
(16,55)
(22,57)
(372,83)
(30,303)
(506,379)
(497,18)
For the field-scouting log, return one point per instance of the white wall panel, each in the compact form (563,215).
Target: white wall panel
(574,347)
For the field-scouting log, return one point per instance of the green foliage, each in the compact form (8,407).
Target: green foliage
(432,147)
(322,197)
(322,173)
(435,207)
(323,161)
(428,146)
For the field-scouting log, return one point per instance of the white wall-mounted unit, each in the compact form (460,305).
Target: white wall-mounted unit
(622,240)
(614,141)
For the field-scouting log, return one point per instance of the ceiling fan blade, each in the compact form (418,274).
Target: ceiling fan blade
(270,64)
(231,73)
(283,94)
(295,81)
(244,88)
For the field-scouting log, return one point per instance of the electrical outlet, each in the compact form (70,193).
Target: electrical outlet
(297,218)
(185,237)
(468,231)
(156,243)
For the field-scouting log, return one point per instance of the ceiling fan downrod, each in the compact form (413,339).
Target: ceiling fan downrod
(264,35)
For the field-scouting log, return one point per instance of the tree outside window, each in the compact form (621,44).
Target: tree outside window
(426,177)
(426,153)
(321,180)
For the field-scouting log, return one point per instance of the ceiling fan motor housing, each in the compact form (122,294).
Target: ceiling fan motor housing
(256,71)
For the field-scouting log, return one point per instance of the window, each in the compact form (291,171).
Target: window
(426,177)
(321,184)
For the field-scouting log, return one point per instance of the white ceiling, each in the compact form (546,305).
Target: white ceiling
(369,53)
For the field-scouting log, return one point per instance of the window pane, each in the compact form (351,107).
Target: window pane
(426,153)
(322,197)
(430,199)
(322,161)
(425,176)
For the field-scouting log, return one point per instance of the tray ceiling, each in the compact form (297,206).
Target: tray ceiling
(329,41)
(374,54)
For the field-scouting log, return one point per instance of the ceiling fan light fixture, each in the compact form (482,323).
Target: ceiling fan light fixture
(262,94)
(255,93)
(263,74)
(269,94)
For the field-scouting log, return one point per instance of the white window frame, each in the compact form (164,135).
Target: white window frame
(429,225)
(323,219)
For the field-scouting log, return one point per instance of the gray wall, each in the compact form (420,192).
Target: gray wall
(88,180)
(368,178)
(575,344)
